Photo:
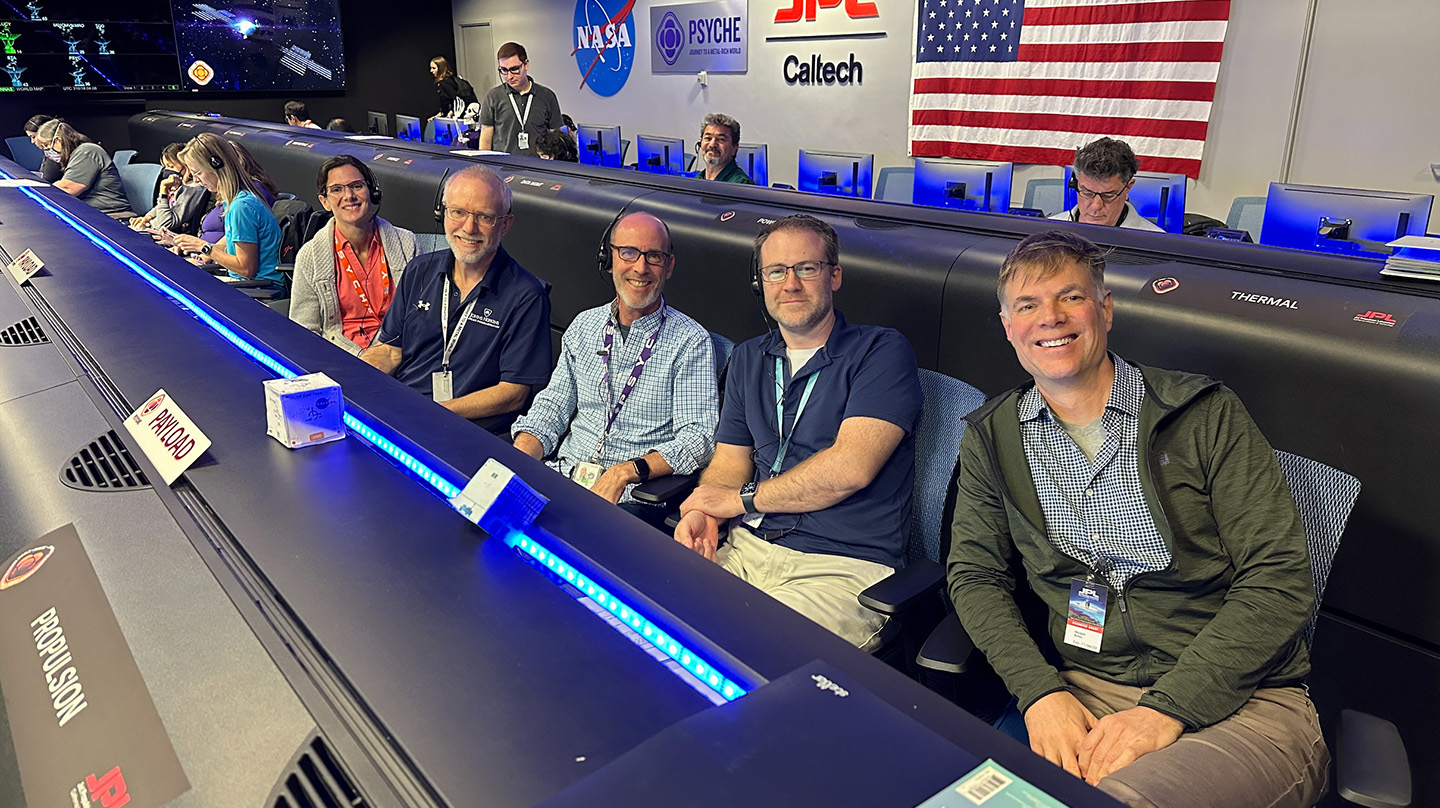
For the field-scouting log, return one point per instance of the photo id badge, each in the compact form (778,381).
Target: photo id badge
(525,144)
(441,388)
(1085,624)
(586,474)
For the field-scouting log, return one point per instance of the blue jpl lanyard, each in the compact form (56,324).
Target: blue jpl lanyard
(780,412)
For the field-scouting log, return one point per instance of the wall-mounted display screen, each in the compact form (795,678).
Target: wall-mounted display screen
(170,45)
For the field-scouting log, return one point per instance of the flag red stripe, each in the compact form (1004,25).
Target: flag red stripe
(1039,156)
(1161,90)
(1114,127)
(1197,10)
(1111,52)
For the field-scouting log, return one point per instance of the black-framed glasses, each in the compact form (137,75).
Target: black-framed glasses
(630,255)
(339,190)
(1105,196)
(511,71)
(485,220)
(805,270)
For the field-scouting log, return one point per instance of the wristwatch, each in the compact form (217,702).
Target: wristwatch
(747,496)
(642,468)
(205,251)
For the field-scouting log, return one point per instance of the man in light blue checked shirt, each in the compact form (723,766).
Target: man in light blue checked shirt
(633,397)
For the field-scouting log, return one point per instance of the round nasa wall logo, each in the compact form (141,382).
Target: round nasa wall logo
(670,38)
(604,44)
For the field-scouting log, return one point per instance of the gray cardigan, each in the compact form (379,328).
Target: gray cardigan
(314,302)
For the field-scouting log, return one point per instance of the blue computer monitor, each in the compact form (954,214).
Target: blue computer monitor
(1156,196)
(660,155)
(1314,217)
(407,127)
(836,173)
(963,184)
(447,132)
(377,123)
(751,157)
(599,145)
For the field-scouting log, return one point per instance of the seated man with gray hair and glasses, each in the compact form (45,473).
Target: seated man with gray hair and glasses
(1103,175)
(468,326)
(719,140)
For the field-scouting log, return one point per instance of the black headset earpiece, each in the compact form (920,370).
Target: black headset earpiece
(604,259)
(216,163)
(755,285)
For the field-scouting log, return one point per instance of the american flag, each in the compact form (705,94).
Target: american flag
(1031,81)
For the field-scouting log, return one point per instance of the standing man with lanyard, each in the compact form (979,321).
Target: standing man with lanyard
(815,453)
(469,327)
(520,109)
(633,397)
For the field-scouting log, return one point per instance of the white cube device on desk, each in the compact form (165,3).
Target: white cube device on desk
(304,410)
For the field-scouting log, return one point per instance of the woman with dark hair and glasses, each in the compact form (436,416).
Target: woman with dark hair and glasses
(250,248)
(346,276)
(89,173)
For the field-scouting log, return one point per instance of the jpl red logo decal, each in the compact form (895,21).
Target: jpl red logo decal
(855,9)
(109,790)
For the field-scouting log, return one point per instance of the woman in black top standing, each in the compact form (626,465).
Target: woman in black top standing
(454,96)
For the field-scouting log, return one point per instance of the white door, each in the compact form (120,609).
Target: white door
(475,56)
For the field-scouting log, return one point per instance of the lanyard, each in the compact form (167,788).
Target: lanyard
(780,412)
(522,118)
(449,339)
(619,403)
(344,261)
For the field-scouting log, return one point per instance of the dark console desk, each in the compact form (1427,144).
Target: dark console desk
(271,597)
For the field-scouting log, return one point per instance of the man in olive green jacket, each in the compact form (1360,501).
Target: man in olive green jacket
(1152,519)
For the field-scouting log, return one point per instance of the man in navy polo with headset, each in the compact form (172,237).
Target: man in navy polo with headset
(815,453)
(469,327)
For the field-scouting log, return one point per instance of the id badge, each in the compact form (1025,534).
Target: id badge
(442,386)
(1085,623)
(586,474)
(525,144)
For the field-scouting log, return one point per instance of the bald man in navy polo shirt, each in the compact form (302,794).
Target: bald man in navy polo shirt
(491,347)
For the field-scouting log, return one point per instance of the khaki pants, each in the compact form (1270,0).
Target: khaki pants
(1269,753)
(824,588)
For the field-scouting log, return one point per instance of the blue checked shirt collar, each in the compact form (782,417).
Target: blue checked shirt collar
(1095,511)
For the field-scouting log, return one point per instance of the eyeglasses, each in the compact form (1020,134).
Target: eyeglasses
(339,190)
(1105,196)
(512,71)
(630,255)
(485,220)
(805,270)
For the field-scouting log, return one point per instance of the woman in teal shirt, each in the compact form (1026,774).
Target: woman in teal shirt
(251,246)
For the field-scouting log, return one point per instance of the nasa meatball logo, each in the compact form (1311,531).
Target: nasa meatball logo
(727,215)
(1163,285)
(604,44)
(26,565)
(670,38)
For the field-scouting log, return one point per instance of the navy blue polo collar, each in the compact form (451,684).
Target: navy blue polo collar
(495,275)
(839,335)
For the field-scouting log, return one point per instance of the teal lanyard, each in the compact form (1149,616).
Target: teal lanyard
(780,412)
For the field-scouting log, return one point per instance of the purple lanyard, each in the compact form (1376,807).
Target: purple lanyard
(645,351)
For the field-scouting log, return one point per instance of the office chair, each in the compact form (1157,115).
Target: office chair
(903,596)
(1247,213)
(895,184)
(140,181)
(668,492)
(123,157)
(25,152)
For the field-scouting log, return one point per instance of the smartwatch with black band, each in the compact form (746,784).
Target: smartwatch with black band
(642,468)
(205,251)
(747,496)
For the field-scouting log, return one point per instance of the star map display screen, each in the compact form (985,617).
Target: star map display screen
(170,45)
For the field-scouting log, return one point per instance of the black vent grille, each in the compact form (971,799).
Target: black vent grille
(25,332)
(104,465)
(315,780)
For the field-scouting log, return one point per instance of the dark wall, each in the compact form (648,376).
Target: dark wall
(387,57)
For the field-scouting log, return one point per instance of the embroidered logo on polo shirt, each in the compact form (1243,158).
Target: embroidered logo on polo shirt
(485,317)
(423,305)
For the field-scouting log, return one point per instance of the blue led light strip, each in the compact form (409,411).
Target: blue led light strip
(687,659)
(691,662)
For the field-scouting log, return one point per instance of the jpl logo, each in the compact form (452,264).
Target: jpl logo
(855,9)
(109,790)
(604,43)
